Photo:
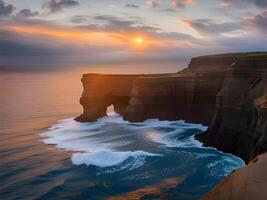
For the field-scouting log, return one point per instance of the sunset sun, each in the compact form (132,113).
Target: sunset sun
(139,40)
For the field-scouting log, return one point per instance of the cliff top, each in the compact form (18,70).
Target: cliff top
(89,75)
(235,55)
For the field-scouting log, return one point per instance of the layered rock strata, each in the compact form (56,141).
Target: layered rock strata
(239,122)
(178,96)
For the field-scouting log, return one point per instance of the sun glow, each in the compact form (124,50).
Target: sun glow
(88,37)
(139,40)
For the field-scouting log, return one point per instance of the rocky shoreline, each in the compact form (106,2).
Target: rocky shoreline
(226,92)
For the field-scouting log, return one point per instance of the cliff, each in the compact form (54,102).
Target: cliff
(164,96)
(140,97)
(239,126)
(226,92)
(175,97)
(239,122)
(103,90)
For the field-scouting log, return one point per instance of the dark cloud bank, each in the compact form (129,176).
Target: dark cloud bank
(56,6)
(6,9)
(258,3)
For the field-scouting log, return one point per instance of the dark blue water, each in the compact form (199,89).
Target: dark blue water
(43,158)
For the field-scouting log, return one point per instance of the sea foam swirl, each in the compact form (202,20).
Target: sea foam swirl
(112,141)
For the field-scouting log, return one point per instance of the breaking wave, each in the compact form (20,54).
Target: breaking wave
(113,142)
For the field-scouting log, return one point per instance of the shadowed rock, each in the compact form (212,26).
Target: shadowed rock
(239,119)
(103,90)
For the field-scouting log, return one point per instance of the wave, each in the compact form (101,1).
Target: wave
(91,142)
(112,141)
(107,158)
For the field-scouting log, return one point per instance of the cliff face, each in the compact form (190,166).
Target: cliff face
(239,122)
(239,127)
(175,97)
(226,92)
(140,97)
(101,91)
(163,96)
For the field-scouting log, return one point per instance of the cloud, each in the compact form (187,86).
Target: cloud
(112,23)
(109,40)
(22,49)
(251,26)
(259,3)
(153,3)
(257,23)
(242,3)
(6,9)
(208,27)
(80,19)
(171,5)
(225,5)
(27,13)
(58,5)
(181,3)
(14,44)
(129,28)
(131,6)
(168,10)
(19,48)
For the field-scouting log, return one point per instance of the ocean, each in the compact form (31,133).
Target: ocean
(46,155)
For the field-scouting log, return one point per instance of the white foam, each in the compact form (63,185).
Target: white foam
(88,148)
(107,158)
(95,143)
(169,138)
(226,165)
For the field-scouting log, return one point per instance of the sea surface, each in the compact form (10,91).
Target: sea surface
(46,155)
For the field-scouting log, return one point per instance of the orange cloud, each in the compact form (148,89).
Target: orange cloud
(181,3)
(78,36)
(71,35)
(65,34)
(225,5)
(189,24)
(185,22)
(190,1)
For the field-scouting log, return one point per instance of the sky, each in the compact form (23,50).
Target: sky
(70,32)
